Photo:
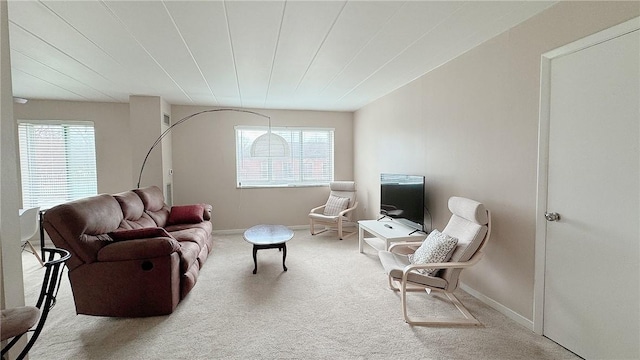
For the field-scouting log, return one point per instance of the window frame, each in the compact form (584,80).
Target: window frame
(39,199)
(300,160)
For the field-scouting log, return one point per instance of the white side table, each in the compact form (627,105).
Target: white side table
(385,232)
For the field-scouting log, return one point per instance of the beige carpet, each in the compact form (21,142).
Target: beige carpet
(333,303)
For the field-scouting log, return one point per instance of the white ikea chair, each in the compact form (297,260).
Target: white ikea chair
(28,227)
(470,223)
(338,209)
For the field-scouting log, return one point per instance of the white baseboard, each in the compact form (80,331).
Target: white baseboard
(292,227)
(228,232)
(498,307)
(240,231)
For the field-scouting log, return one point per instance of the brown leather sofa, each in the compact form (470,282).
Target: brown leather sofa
(131,254)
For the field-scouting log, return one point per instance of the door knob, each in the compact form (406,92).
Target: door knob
(552,216)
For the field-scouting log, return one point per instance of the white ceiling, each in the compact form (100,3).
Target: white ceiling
(314,55)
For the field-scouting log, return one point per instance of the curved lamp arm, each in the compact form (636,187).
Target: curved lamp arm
(164,133)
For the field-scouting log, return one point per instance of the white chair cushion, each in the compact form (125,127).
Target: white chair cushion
(394,265)
(326,219)
(16,321)
(335,204)
(436,248)
(468,209)
(342,186)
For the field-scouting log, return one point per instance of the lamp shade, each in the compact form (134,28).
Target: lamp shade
(270,145)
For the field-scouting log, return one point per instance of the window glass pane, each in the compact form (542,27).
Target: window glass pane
(252,170)
(317,156)
(57,162)
(307,158)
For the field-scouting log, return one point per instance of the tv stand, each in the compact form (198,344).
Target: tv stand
(385,232)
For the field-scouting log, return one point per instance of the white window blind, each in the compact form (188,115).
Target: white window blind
(308,160)
(57,162)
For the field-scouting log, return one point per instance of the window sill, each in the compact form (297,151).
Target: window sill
(281,186)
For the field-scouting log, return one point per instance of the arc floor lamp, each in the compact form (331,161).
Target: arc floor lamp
(268,144)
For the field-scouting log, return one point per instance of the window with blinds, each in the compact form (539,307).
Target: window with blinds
(57,162)
(290,157)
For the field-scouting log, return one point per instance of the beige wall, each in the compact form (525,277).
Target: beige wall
(112,131)
(146,124)
(167,150)
(470,127)
(203,157)
(204,166)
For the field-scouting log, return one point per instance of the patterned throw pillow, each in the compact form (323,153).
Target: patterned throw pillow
(335,204)
(436,248)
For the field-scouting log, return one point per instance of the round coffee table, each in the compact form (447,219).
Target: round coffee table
(268,237)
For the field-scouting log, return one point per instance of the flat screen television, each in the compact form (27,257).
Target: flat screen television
(402,198)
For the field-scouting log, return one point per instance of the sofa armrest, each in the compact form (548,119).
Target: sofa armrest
(138,249)
(207,212)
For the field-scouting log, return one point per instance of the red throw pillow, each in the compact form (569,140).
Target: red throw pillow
(186,214)
(143,233)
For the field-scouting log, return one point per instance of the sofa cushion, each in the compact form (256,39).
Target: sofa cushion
(186,214)
(16,321)
(131,205)
(195,235)
(206,226)
(133,211)
(199,233)
(153,200)
(142,233)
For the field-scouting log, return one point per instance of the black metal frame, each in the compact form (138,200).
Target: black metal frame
(41,228)
(54,268)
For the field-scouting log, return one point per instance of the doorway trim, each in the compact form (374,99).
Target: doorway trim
(543,153)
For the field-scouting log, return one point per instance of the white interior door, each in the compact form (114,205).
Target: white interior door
(592,272)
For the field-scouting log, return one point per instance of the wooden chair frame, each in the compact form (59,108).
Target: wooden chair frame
(316,215)
(403,286)
(32,250)
(332,225)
